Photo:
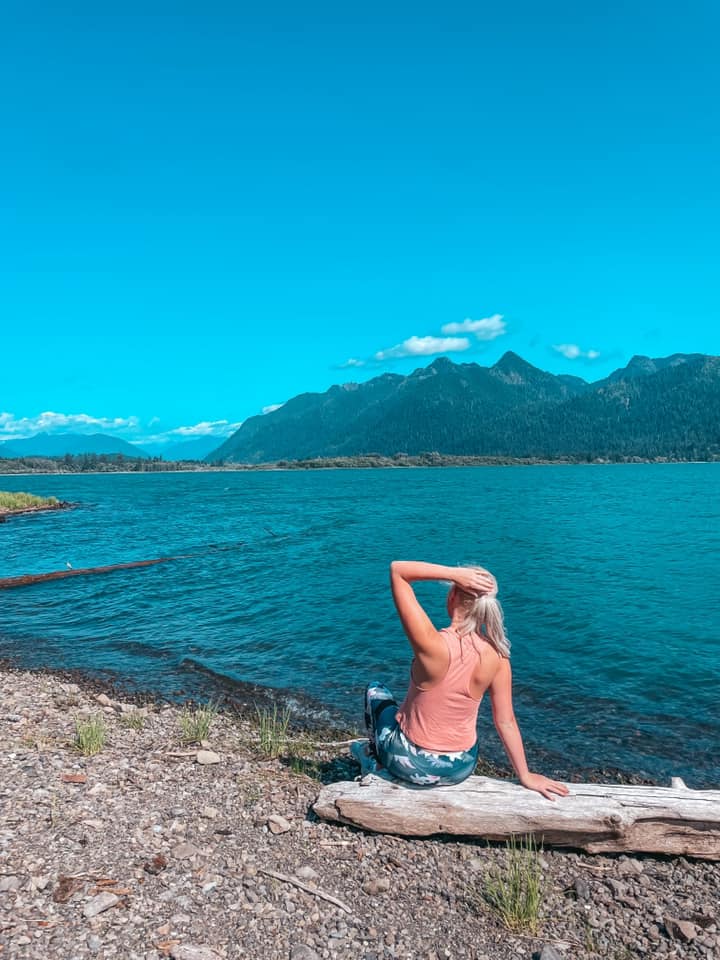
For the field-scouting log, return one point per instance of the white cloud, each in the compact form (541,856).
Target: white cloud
(206,428)
(50,422)
(273,406)
(352,362)
(573,352)
(423,347)
(487,329)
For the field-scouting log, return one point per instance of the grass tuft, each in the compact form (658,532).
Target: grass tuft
(90,735)
(515,891)
(134,720)
(195,724)
(21,501)
(273,730)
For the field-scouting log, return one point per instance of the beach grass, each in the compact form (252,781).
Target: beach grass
(134,720)
(195,724)
(24,501)
(90,735)
(273,730)
(515,890)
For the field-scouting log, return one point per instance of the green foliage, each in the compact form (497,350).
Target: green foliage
(302,758)
(515,892)
(195,724)
(135,720)
(90,735)
(21,501)
(273,730)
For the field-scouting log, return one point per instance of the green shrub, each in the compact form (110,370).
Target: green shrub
(515,891)
(20,501)
(272,730)
(195,724)
(90,735)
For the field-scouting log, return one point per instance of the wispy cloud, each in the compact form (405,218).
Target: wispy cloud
(423,347)
(573,352)
(486,329)
(352,362)
(206,428)
(129,428)
(272,407)
(50,422)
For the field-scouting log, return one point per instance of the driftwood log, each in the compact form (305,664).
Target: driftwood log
(27,579)
(597,818)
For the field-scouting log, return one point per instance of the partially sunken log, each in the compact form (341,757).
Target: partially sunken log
(27,579)
(595,817)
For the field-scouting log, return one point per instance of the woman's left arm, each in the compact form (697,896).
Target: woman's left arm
(509,733)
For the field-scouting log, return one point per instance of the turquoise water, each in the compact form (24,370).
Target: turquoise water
(608,574)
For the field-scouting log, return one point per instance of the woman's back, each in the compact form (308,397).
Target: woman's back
(440,714)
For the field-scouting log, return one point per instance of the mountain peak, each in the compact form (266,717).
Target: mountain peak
(512,362)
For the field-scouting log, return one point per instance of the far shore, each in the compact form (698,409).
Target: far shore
(49,467)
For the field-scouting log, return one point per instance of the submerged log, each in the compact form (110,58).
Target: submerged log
(8,583)
(597,818)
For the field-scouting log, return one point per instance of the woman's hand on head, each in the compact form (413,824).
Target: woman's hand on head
(475,580)
(544,785)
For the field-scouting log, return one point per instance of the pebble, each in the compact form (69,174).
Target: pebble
(184,851)
(549,952)
(376,886)
(192,951)
(301,951)
(100,903)
(207,757)
(306,873)
(277,824)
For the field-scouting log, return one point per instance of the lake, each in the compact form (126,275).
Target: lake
(608,576)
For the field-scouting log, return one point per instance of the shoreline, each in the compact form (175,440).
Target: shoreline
(157,847)
(243,701)
(7,513)
(326,464)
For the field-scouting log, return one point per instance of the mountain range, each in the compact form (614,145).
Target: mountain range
(663,407)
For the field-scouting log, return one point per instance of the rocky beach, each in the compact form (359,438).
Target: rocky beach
(159,847)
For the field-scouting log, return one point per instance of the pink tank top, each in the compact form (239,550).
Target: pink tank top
(443,718)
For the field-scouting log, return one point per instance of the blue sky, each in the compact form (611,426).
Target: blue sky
(209,208)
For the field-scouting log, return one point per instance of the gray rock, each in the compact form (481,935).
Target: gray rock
(476,863)
(301,951)
(549,952)
(278,824)
(193,951)
(9,883)
(183,851)
(581,888)
(100,903)
(103,700)
(206,757)
(94,943)
(209,813)
(375,886)
(682,930)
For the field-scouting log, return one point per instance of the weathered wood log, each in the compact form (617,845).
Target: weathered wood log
(597,818)
(9,583)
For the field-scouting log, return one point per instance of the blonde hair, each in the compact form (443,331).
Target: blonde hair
(484,616)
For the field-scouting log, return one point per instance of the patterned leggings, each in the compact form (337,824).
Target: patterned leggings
(402,758)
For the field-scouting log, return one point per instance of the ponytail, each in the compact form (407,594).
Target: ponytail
(484,616)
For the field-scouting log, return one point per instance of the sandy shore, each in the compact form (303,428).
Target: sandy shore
(153,848)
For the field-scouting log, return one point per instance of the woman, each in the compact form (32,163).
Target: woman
(432,738)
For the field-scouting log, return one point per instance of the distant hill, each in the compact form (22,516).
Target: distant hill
(58,444)
(668,407)
(196,449)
